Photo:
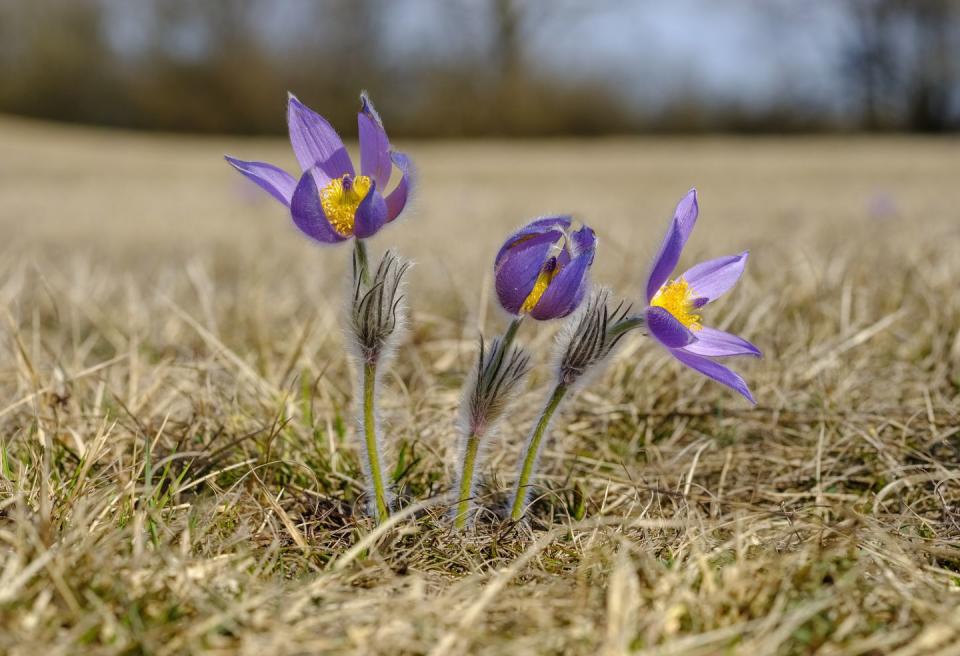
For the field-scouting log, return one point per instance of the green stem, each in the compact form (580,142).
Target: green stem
(370,438)
(625,325)
(360,250)
(533,449)
(505,343)
(511,333)
(473,439)
(466,481)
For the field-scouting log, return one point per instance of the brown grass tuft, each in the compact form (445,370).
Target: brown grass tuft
(178,469)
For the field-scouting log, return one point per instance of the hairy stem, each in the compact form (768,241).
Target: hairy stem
(496,376)
(370,438)
(511,333)
(360,250)
(466,481)
(533,451)
(508,337)
(625,325)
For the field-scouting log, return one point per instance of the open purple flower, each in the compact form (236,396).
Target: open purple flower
(673,307)
(542,268)
(330,202)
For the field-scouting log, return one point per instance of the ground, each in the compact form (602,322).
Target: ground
(179,470)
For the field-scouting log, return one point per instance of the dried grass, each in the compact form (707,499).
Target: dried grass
(178,468)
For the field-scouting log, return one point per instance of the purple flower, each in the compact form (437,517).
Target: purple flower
(330,202)
(541,269)
(673,306)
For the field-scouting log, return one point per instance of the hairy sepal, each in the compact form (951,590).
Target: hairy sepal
(488,393)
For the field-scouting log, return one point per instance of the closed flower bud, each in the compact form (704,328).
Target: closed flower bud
(543,268)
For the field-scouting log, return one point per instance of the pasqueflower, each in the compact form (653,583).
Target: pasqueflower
(542,269)
(673,306)
(330,202)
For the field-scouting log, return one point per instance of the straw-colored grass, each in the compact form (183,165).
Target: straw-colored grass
(178,467)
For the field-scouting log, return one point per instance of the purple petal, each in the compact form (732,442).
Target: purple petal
(275,181)
(315,142)
(714,370)
(717,343)
(371,214)
(686,213)
(308,213)
(552,225)
(374,144)
(585,240)
(580,241)
(684,218)
(666,329)
(397,199)
(711,279)
(565,291)
(516,272)
(665,261)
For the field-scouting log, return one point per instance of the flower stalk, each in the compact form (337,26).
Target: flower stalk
(500,349)
(377,312)
(532,452)
(499,372)
(381,506)
(361,261)
(466,482)
(511,332)
(585,342)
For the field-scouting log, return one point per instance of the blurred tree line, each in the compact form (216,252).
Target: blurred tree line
(215,66)
(902,60)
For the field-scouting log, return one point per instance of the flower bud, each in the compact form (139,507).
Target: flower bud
(542,269)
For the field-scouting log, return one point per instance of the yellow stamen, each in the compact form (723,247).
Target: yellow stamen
(539,287)
(677,298)
(340,201)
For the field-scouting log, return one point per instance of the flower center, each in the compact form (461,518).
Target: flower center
(678,299)
(547,274)
(340,199)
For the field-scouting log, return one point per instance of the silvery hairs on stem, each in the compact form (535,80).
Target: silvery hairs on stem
(498,373)
(487,394)
(377,315)
(586,340)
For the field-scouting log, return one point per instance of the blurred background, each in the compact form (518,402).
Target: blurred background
(151,295)
(476,68)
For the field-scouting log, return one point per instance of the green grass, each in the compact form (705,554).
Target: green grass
(178,458)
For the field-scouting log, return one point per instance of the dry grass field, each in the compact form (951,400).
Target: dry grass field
(177,463)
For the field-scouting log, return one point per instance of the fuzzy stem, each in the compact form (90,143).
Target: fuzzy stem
(505,343)
(473,439)
(533,450)
(466,481)
(360,248)
(511,333)
(625,325)
(370,438)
